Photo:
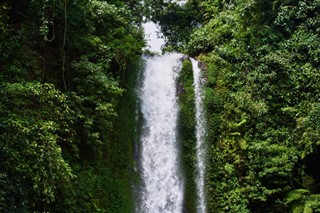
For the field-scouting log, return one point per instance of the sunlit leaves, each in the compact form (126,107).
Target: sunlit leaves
(31,157)
(263,67)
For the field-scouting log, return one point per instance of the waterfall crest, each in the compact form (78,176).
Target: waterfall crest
(162,189)
(200,136)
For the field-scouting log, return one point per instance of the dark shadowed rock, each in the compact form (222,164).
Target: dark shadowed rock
(184,57)
(180,88)
(202,65)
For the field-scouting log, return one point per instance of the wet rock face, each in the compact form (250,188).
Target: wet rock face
(202,65)
(180,88)
(203,69)
(204,72)
(184,57)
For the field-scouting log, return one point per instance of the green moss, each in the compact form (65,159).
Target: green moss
(121,150)
(187,134)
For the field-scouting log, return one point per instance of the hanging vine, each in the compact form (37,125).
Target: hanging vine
(52,24)
(64,45)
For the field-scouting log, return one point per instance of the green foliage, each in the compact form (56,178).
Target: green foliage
(314,117)
(65,66)
(63,76)
(96,190)
(33,169)
(176,20)
(95,104)
(187,134)
(262,95)
(301,201)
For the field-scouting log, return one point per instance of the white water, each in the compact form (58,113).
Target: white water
(200,136)
(162,190)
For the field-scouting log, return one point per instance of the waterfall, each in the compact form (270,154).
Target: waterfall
(162,188)
(200,136)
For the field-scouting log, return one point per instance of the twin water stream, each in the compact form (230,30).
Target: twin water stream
(162,188)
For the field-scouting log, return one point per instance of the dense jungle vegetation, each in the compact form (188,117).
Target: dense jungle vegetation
(67,115)
(262,98)
(65,140)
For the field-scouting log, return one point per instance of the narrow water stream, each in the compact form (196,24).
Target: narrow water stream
(200,136)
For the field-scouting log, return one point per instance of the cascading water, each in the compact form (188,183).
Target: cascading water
(162,189)
(200,136)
